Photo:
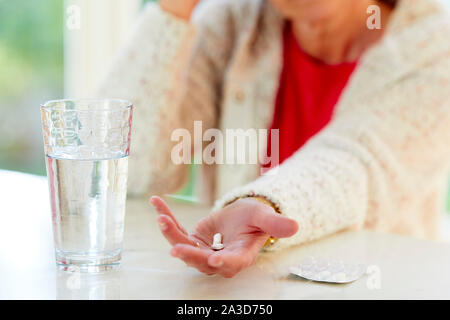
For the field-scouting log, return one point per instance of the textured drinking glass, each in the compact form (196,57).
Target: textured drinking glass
(87,143)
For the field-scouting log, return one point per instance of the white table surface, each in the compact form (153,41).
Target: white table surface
(408,268)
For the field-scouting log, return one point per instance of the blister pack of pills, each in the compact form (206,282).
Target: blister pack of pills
(332,271)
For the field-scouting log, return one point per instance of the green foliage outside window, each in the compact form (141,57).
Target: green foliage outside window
(31,64)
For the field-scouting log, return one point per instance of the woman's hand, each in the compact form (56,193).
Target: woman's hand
(245,226)
(179,8)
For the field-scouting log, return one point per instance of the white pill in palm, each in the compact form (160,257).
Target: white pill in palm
(217,246)
(217,242)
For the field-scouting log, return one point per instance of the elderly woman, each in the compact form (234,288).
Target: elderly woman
(363,112)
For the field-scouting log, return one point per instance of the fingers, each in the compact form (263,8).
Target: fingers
(171,231)
(162,208)
(228,264)
(274,224)
(194,257)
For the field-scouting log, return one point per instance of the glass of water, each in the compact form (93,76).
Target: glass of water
(87,143)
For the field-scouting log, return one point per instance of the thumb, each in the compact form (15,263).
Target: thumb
(274,224)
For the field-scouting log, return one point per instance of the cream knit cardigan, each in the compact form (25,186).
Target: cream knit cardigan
(382,163)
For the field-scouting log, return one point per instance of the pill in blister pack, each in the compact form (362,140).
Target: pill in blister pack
(328,271)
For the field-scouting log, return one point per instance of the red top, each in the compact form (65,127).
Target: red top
(308,92)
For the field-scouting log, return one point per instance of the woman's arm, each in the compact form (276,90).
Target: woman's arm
(168,70)
(377,159)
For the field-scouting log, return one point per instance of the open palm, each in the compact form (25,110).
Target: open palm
(245,226)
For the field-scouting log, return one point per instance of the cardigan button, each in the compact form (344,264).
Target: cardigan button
(239,95)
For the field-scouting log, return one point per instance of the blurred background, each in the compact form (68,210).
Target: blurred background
(52,49)
(31,71)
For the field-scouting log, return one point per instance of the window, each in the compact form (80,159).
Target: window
(31,71)
(45,53)
(94,30)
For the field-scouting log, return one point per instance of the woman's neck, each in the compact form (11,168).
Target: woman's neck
(343,35)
